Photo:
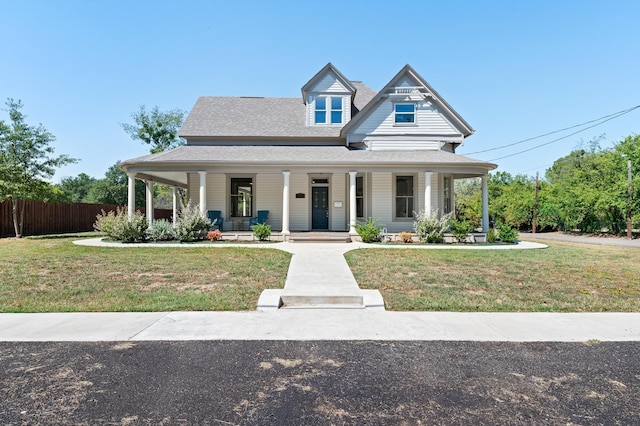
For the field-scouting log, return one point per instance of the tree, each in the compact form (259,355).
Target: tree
(156,128)
(26,161)
(114,189)
(77,188)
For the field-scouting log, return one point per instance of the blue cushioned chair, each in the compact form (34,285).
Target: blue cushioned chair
(262,217)
(215,216)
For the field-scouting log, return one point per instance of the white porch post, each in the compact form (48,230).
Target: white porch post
(427,193)
(131,203)
(352,202)
(175,205)
(149,188)
(485,203)
(203,192)
(285,204)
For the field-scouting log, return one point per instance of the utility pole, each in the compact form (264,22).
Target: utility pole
(535,206)
(630,192)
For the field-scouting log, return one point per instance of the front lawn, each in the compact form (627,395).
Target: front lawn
(562,278)
(54,275)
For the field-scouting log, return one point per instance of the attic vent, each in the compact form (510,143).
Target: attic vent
(405,90)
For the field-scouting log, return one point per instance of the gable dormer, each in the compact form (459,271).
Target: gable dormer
(407,114)
(328,97)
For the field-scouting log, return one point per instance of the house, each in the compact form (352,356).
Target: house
(338,154)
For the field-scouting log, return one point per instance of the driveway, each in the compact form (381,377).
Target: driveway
(582,239)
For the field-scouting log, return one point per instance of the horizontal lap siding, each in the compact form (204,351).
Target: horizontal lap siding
(403,144)
(268,196)
(338,194)
(299,207)
(381,194)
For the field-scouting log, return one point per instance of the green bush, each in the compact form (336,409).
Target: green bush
(161,230)
(461,229)
(507,234)
(262,231)
(369,231)
(191,224)
(491,236)
(117,226)
(429,227)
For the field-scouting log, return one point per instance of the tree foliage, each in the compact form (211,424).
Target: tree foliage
(159,129)
(27,160)
(77,188)
(114,189)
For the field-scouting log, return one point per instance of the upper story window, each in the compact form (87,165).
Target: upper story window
(405,113)
(328,107)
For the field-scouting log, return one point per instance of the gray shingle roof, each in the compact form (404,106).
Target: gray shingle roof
(301,155)
(255,117)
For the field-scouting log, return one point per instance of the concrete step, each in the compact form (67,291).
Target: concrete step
(320,239)
(292,301)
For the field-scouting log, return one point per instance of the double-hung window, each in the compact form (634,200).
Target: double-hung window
(241,197)
(404,113)
(404,197)
(328,107)
(359,196)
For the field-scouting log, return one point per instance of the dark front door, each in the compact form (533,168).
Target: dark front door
(320,207)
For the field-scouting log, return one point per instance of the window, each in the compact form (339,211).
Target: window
(336,110)
(404,197)
(447,194)
(359,196)
(241,197)
(322,108)
(405,113)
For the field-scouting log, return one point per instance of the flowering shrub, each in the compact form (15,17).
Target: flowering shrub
(406,237)
(429,227)
(161,230)
(117,226)
(214,235)
(191,223)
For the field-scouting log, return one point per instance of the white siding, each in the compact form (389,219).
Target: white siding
(298,207)
(338,193)
(400,143)
(328,83)
(381,206)
(268,196)
(429,121)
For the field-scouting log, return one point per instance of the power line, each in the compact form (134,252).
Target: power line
(570,134)
(607,117)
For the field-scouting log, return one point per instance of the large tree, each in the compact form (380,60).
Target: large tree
(77,188)
(113,189)
(26,160)
(159,129)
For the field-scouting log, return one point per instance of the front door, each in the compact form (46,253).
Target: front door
(320,207)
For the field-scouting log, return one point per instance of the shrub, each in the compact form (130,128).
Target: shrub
(118,227)
(406,237)
(161,230)
(429,227)
(461,229)
(491,236)
(191,223)
(507,234)
(262,231)
(369,231)
(214,235)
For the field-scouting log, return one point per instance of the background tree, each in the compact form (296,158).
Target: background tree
(156,128)
(114,189)
(26,161)
(77,188)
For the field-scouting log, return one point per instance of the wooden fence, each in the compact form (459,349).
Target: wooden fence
(42,218)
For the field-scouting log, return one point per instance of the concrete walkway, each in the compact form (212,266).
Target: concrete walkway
(582,239)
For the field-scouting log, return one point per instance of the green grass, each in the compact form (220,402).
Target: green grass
(561,278)
(44,274)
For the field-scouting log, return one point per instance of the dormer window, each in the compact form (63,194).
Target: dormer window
(405,113)
(328,106)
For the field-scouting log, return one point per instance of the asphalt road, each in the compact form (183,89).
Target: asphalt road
(310,383)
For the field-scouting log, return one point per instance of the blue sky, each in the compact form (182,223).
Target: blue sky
(512,69)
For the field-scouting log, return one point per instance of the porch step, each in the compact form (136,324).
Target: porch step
(319,302)
(320,237)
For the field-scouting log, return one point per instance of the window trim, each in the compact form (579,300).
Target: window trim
(405,123)
(230,195)
(328,110)
(394,184)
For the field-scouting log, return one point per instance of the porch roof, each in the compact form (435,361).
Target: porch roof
(193,157)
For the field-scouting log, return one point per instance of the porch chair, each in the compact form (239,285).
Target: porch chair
(261,218)
(215,216)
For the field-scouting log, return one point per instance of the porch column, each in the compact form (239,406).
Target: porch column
(203,192)
(149,188)
(352,202)
(427,193)
(131,203)
(175,206)
(485,203)
(285,204)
